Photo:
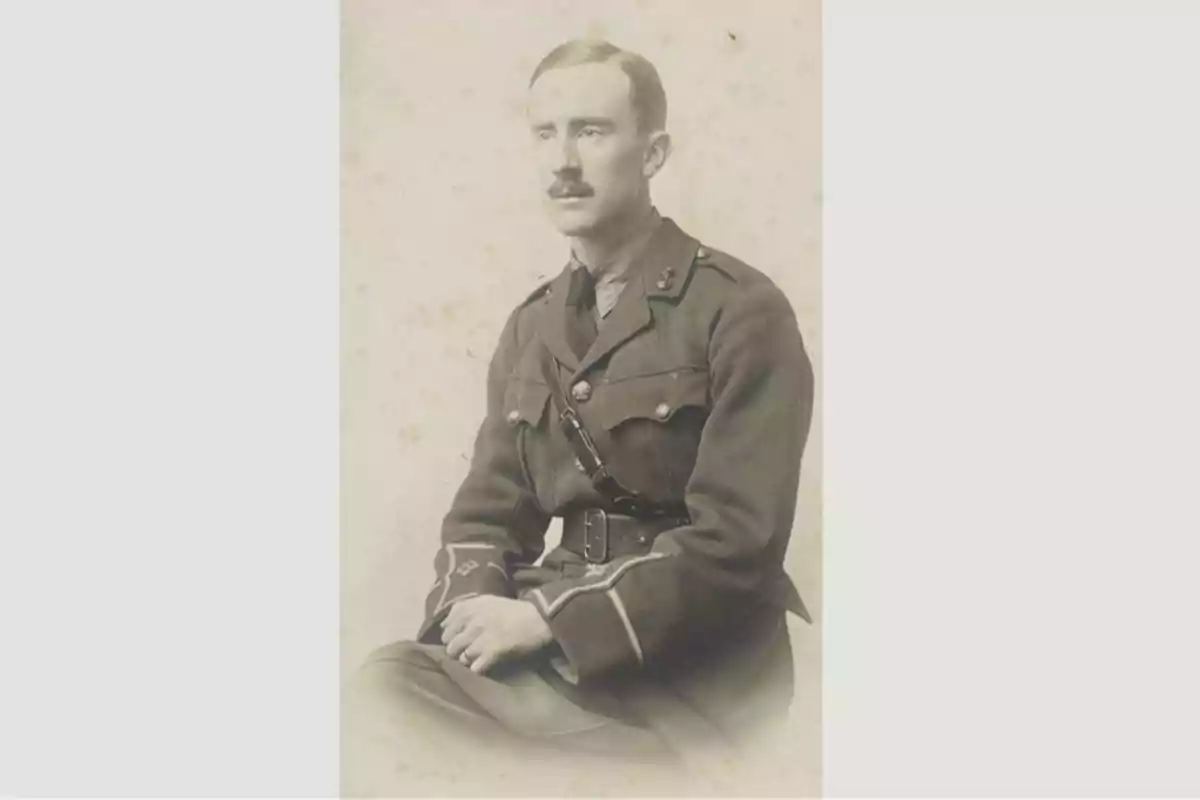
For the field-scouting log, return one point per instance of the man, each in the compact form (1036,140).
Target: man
(656,395)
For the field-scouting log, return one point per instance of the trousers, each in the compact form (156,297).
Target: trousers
(418,723)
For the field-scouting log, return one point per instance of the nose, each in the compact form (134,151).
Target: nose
(568,154)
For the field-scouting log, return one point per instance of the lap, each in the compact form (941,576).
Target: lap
(414,724)
(524,700)
(417,721)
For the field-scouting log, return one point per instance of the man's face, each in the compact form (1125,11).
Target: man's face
(590,154)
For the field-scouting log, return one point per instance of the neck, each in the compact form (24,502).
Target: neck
(601,250)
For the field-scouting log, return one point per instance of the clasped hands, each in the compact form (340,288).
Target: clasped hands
(481,631)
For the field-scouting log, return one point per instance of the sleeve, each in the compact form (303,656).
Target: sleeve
(494,521)
(741,499)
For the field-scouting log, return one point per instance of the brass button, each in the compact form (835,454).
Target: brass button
(513,417)
(702,253)
(662,285)
(662,411)
(581,391)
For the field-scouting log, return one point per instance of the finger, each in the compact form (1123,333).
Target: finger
(484,662)
(459,643)
(452,628)
(458,614)
(476,648)
(457,620)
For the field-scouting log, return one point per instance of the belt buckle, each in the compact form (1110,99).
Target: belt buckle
(595,535)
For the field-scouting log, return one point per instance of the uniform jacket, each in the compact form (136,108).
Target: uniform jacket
(700,393)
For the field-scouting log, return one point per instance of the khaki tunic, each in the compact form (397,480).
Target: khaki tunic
(699,393)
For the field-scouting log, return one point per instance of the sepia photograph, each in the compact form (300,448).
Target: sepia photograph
(622,398)
(581,371)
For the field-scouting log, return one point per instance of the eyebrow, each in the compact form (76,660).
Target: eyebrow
(599,122)
(575,123)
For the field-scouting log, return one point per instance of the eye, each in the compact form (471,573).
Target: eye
(590,132)
(544,134)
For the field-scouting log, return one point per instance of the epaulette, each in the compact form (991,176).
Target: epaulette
(722,263)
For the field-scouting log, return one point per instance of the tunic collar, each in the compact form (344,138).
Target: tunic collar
(610,283)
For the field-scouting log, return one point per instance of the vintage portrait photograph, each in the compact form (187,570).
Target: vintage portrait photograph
(580,389)
(600,398)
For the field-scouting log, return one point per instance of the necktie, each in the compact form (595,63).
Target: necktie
(581,318)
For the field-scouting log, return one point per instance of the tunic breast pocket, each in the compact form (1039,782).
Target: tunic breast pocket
(526,394)
(652,426)
(525,404)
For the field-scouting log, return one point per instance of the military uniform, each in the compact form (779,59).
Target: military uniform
(668,621)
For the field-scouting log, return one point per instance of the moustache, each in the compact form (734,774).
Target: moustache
(561,189)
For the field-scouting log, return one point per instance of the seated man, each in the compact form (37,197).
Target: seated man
(656,396)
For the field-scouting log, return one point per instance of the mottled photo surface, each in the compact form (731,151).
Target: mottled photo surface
(581,380)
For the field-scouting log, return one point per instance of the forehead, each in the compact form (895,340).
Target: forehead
(585,90)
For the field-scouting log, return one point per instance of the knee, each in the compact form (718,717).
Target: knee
(378,694)
(397,655)
(391,668)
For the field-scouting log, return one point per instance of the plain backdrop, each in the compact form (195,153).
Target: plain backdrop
(443,234)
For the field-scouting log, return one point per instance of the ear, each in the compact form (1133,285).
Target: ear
(658,149)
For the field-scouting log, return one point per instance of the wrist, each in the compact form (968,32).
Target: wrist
(538,625)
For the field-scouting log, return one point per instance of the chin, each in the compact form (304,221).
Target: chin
(574,229)
(581,221)
(573,223)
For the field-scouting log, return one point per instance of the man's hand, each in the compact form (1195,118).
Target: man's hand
(480,631)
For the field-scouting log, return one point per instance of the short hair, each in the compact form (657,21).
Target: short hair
(646,92)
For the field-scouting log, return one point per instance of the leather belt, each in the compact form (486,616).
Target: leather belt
(601,536)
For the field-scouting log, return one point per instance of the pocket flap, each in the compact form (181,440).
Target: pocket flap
(525,401)
(654,397)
